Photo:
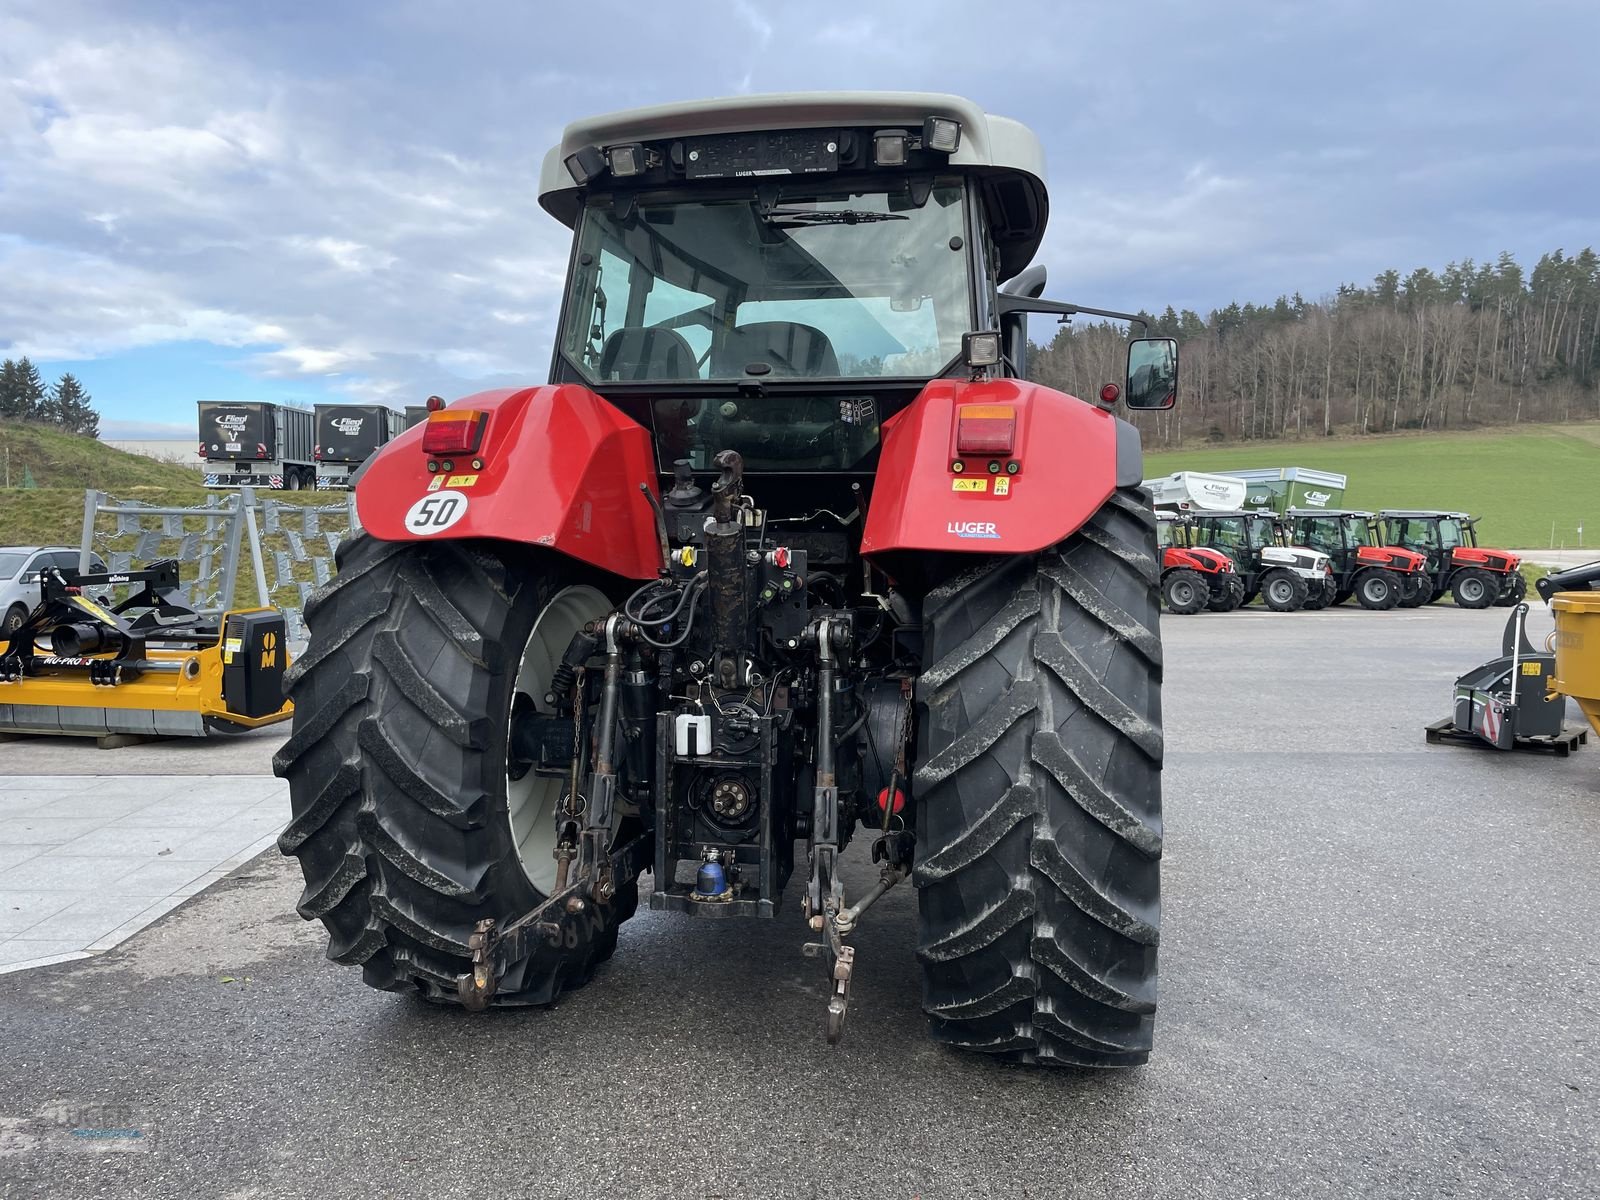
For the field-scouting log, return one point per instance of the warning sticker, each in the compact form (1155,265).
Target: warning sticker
(93,609)
(461,481)
(969,485)
(1002,486)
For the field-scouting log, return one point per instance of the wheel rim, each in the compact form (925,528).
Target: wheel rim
(1281,591)
(531,801)
(1182,595)
(1471,590)
(1376,590)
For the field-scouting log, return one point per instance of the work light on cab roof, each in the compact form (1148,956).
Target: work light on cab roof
(787,551)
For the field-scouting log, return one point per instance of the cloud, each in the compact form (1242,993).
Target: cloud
(349,194)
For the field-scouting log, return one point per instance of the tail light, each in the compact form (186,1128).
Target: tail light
(261,449)
(454,431)
(986,429)
(316,453)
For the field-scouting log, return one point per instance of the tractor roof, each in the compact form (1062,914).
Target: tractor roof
(1328,512)
(1425,513)
(1002,151)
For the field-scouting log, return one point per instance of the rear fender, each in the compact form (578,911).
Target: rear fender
(1067,452)
(561,468)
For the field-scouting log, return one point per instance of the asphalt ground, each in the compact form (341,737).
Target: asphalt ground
(1380,977)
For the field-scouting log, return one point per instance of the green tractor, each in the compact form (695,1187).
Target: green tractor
(1379,577)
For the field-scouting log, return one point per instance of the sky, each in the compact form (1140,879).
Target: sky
(338,201)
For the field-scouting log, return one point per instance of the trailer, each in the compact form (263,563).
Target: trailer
(257,444)
(1283,488)
(348,435)
(1196,491)
(416,414)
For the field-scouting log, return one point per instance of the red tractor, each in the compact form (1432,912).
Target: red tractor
(1194,577)
(1477,576)
(1379,577)
(787,550)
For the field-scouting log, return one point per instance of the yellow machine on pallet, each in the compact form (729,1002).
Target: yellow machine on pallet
(147,666)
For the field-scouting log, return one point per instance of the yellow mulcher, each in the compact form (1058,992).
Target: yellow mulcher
(147,666)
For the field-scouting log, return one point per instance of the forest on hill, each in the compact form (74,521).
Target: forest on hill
(1474,344)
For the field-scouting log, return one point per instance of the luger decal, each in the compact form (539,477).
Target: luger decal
(972,529)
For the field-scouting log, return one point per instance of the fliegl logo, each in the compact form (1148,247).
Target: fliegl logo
(1320,499)
(232,422)
(972,529)
(349,426)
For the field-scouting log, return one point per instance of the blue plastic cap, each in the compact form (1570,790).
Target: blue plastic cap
(709,880)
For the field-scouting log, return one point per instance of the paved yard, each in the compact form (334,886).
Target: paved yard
(1380,977)
(87,860)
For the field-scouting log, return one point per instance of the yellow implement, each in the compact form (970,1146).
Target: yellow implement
(146,667)
(1577,648)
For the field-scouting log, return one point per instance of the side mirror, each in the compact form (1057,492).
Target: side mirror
(1152,373)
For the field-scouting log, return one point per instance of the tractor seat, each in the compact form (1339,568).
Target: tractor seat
(788,347)
(642,352)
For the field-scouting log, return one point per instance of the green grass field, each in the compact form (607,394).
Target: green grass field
(1518,481)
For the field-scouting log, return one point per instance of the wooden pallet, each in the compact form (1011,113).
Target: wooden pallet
(1444,733)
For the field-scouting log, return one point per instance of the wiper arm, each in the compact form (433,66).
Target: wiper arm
(829,216)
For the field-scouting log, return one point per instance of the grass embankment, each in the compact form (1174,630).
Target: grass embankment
(63,465)
(1520,481)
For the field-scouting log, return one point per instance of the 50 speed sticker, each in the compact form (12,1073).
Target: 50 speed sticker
(435,513)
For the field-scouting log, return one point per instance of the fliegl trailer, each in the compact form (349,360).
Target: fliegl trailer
(256,444)
(1283,488)
(348,435)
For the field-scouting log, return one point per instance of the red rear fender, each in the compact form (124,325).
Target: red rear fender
(561,468)
(1066,456)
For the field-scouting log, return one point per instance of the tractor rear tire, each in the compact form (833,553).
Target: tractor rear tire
(1474,588)
(1039,798)
(1185,591)
(397,764)
(1282,590)
(1377,590)
(1516,593)
(1232,600)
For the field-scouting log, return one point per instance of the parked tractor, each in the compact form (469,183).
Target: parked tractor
(1286,577)
(1379,577)
(1194,577)
(787,551)
(1476,576)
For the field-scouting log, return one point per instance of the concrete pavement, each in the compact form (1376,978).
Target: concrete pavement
(88,860)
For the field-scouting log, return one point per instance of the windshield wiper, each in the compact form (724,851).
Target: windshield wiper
(831,216)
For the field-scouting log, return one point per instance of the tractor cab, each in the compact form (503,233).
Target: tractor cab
(1477,576)
(778,276)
